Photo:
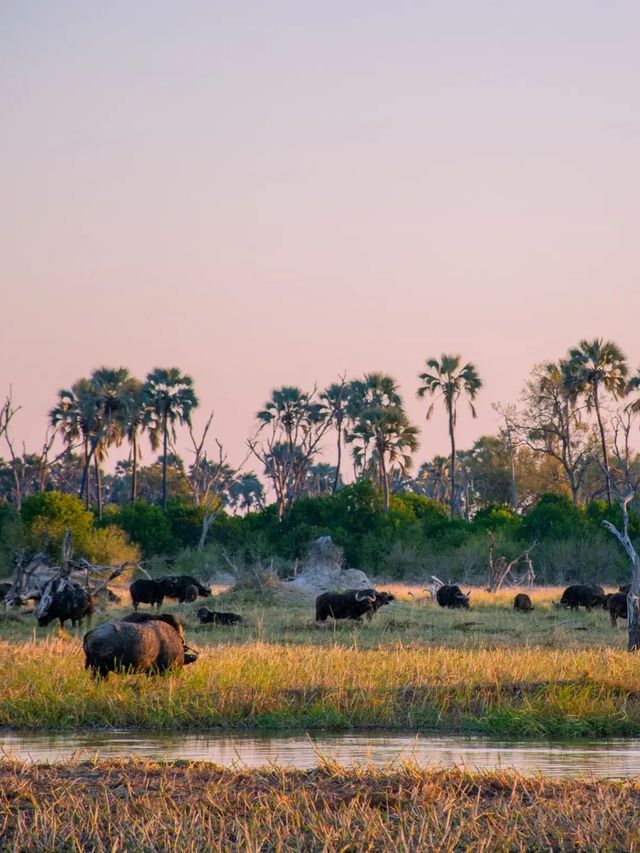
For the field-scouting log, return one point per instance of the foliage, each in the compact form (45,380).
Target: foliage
(148,527)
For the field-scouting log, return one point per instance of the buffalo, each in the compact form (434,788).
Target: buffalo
(61,599)
(149,647)
(626,588)
(616,604)
(147,591)
(184,588)
(522,602)
(451,595)
(583,595)
(216,617)
(351,604)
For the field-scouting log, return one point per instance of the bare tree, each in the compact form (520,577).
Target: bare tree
(633,596)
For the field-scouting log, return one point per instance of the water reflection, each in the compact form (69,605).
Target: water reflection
(613,758)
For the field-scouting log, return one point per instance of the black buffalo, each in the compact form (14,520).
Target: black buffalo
(352,604)
(451,595)
(616,604)
(147,591)
(522,602)
(61,599)
(626,588)
(583,595)
(149,647)
(217,617)
(184,588)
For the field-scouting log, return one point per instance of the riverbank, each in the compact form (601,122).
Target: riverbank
(521,692)
(124,805)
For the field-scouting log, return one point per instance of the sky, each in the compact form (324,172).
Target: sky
(269,193)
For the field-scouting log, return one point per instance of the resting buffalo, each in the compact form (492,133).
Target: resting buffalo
(352,604)
(149,647)
(452,596)
(167,618)
(522,602)
(184,588)
(147,591)
(616,604)
(206,616)
(61,599)
(583,595)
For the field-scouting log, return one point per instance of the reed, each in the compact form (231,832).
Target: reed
(137,806)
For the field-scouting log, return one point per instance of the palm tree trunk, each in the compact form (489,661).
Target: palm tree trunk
(603,439)
(384,478)
(453,460)
(84,482)
(512,469)
(337,477)
(96,465)
(164,462)
(134,466)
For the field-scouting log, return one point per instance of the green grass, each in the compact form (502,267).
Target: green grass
(415,666)
(137,806)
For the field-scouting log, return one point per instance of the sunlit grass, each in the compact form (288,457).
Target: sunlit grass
(116,805)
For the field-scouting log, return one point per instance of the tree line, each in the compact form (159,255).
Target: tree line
(570,433)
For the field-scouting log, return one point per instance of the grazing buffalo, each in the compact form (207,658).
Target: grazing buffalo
(451,595)
(149,647)
(352,604)
(147,591)
(184,588)
(206,616)
(616,604)
(61,599)
(167,618)
(583,595)
(522,602)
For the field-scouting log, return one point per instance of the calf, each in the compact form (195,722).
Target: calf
(522,602)
(206,616)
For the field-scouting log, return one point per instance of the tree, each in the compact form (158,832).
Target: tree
(292,425)
(336,398)
(76,417)
(448,379)
(552,424)
(633,596)
(171,399)
(591,368)
(380,431)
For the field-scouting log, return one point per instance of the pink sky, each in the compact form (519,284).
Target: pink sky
(273,193)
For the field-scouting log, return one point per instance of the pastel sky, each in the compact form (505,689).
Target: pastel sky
(267,193)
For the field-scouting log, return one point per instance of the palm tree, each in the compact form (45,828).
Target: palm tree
(112,389)
(374,391)
(76,416)
(447,378)
(393,438)
(171,399)
(335,397)
(136,418)
(592,367)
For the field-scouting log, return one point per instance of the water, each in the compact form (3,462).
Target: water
(616,758)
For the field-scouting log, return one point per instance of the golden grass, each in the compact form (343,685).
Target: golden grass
(519,691)
(135,806)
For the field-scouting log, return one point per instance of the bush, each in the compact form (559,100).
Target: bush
(553,517)
(46,517)
(147,526)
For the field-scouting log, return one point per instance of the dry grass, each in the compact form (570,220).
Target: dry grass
(134,806)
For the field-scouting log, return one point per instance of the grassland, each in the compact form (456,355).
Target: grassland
(135,806)
(491,670)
